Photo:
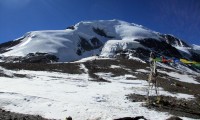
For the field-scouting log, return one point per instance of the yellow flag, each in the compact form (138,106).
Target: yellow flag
(187,62)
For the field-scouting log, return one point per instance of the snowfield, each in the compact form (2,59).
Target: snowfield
(59,95)
(65,43)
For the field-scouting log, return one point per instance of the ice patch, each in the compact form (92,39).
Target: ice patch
(115,66)
(142,70)
(136,59)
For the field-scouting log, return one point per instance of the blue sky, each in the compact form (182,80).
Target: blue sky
(178,17)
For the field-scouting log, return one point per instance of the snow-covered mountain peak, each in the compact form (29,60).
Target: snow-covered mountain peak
(119,29)
(78,41)
(87,38)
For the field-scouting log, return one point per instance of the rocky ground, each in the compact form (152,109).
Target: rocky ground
(7,115)
(177,107)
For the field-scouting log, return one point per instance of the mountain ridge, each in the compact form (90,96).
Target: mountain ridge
(87,38)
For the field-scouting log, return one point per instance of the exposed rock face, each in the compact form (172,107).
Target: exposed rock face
(136,52)
(70,27)
(101,33)
(96,43)
(88,45)
(161,47)
(4,47)
(141,53)
(39,58)
(7,115)
(174,41)
(32,58)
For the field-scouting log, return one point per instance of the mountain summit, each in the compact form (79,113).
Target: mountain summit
(102,37)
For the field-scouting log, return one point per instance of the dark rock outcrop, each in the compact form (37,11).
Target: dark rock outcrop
(7,115)
(32,58)
(4,47)
(39,58)
(88,45)
(71,27)
(174,41)
(96,43)
(132,118)
(101,33)
(161,47)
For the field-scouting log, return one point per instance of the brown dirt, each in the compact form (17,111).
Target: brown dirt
(104,66)
(72,68)
(178,107)
(7,115)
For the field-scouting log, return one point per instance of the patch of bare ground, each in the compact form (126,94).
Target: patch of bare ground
(177,107)
(71,68)
(14,75)
(175,86)
(7,115)
(104,66)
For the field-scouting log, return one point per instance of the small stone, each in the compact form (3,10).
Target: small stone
(69,118)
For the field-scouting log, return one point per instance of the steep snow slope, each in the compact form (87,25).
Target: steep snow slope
(82,40)
(54,42)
